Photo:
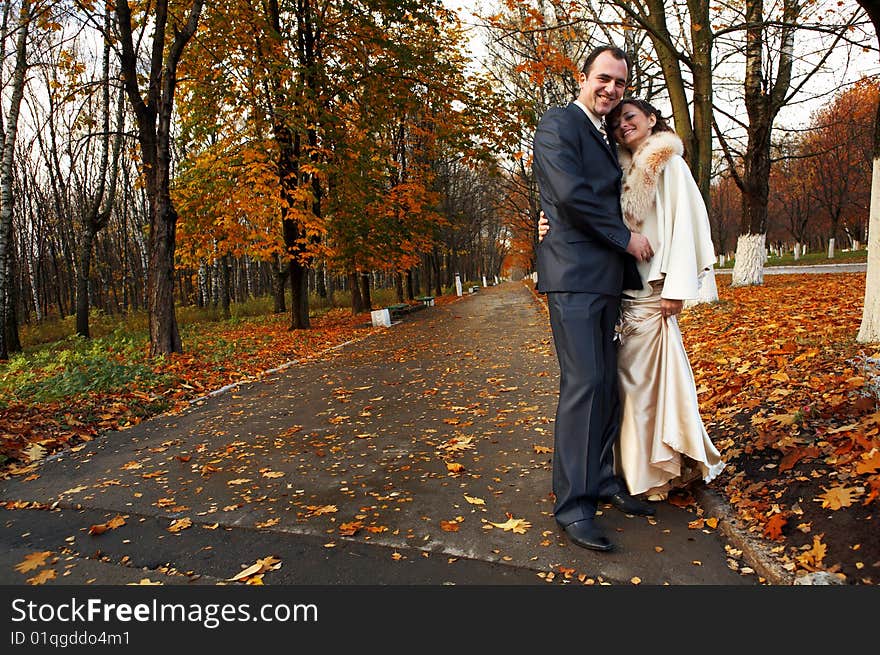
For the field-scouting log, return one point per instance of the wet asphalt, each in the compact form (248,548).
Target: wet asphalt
(418,454)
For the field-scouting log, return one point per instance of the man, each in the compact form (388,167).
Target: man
(584,264)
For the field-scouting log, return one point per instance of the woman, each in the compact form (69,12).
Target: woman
(663,442)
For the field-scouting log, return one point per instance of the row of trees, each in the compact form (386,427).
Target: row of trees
(307,144)
(206,152)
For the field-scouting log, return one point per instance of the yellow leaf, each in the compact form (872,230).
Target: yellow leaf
(180,524)
(780,377)
(712,522)
(454,467)
(35,452)
(267,524)
(131,466)
(144,582)
(273,474)
(33,561)
(636,580)
(317,510)
(839,496)
(543,449)
(270,563)
(813,558)
(517,526)
(474,501)
(697,524)
(42,576)
(238,481)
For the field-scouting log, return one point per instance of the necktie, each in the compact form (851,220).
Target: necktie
(603,132)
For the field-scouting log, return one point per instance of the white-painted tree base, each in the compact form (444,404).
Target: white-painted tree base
(869,332)
(751,253)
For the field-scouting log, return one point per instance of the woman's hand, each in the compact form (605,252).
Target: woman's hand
(543,226)
(670,307)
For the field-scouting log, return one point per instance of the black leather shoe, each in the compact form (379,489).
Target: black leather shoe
(586,534)
(626,503)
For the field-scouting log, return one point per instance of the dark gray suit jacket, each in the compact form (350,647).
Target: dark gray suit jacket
(579,181)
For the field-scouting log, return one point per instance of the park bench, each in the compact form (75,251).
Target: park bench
(385,317)
(427,301)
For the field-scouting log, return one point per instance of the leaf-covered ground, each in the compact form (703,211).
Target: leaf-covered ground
(786,393)
(792,401)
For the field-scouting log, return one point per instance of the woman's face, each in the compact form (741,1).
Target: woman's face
(634,127)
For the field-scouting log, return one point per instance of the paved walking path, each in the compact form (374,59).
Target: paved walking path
(386,462)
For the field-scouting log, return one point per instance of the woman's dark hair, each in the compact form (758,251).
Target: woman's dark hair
(613,117)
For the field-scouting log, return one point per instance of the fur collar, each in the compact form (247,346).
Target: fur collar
(641,170)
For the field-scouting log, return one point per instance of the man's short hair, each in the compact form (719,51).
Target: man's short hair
(616,52)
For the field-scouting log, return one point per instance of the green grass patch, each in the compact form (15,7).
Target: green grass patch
(810,259)
(75,366)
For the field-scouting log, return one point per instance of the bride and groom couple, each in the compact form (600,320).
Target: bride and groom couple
(625,240)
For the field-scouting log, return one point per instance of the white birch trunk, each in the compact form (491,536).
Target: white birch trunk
(797,251)
(748,270)
(831,248)
(869,331)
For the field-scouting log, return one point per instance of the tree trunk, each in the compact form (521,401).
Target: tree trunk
(154,114)
(9,337)
(869,331)
(279,282)
(398,285)
(365,291)
(750,257)
(357,301)
(299,296)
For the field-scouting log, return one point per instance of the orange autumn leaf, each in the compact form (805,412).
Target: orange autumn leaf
(870,462)
(454,467)
(42,577)
(33,561)
(812,558)
(350,529)
(839,496)
(773,527)
(112,524)
(180,524)
(449,526)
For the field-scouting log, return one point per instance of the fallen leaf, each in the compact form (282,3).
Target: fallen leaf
(270,563)
(33,561)
(273,474)
(518,526)
(238,481)
(449,526)
(267,524)
(42,577)
(474,501)
(773,527)
(144,582)
(454,467)
(350,529)
(542,449)
(870,462)
(812,559)
(839,496)
(180,524)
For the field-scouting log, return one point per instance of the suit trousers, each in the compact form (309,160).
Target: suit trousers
(588,413)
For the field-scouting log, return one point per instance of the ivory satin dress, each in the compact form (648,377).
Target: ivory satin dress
(663,441)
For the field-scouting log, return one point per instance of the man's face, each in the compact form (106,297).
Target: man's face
(603,87)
